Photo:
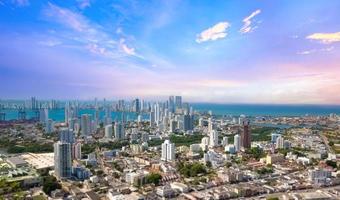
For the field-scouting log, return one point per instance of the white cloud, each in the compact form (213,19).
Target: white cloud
(247,28)
(50,43)
(21,3)
(218,31)
(94,48)
(326,38)
(126,49)
(307,52)
(84,4)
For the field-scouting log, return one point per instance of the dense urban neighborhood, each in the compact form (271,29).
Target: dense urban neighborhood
(164,150)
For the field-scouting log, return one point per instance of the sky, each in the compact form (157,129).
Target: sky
(221,51)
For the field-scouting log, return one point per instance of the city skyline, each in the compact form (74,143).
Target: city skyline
(219,52)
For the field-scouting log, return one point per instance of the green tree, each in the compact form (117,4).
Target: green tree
(50,183)
(331,163)
(154,178)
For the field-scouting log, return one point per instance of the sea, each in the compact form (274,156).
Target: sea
(251,110)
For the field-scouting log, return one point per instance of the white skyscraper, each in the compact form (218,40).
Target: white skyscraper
(62,159)
(237,143)
(157,113)
(119,131)
(210,125)
(213,137)
(168,151)
(108,131)
(279,142)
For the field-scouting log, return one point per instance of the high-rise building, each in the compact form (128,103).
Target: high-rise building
(108,131)
(279,143)
(246,135)
(152,118)
(62,160)
(237,143)
(43,115)
(137,105)
(85,124)
(225,141)
(188,122)
(178,102)
(171,104)
(213,138)
(210,125)
(76,150)
(66,135)
(168,151)
(49,126)
(119,131)
(173,125)
(34,103)
(274,137)
(157,113)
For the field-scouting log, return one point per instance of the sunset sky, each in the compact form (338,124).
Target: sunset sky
(224,51)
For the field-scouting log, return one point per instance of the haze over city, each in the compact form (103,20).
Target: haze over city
(282,52)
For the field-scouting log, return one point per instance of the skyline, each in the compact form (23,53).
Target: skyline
(217,52)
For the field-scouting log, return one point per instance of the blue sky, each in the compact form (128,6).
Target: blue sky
(215,51)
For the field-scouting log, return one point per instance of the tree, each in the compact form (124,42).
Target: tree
(331,163)
(208,164)
(50,183)
(331,143)
(256,152)
(153,178)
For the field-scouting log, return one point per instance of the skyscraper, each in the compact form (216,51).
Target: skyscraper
(49,126)
(34,103)
(168,151)
(85,124)
(188,122)
(237,143)
(171,104)
(119,131)
(213,138)
(279,142)
(246,135)
(178,102)
(43,115)
(152,118)
(66,135)
(137,106)
(108,131)
(62,159)
(173,125)
(76,150)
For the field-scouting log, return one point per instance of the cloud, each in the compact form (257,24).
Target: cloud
(50,43)
(21,3)
(247,28)
(126,49)
(84,4)
(92,36)
(94,48)
(218,31)
(307,52)
(326,38)
(66,17)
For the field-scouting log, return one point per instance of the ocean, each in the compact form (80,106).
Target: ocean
(217,109)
